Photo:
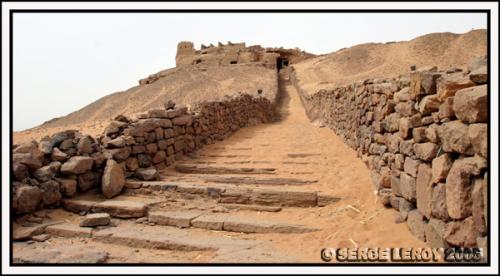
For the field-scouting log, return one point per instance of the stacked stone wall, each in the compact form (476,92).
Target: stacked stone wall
(68,162)
(424,136)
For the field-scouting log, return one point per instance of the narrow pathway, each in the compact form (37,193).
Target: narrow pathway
(275,192)
(296,149)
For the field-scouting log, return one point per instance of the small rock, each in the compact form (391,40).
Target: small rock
(147,173)
(41,238)
(97,219)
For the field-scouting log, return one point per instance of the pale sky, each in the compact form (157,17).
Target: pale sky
(63,62)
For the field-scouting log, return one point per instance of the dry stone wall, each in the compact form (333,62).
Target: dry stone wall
(424,136)
(68,162)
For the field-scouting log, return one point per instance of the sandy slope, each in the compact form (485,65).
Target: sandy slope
(374,60)
(183,85)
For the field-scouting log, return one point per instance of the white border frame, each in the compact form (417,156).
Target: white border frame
(5,256)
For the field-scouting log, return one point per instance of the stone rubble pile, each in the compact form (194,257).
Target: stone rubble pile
(424,137)
(68,162)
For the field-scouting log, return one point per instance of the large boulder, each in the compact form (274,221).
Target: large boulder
(459,185)
(478,136)
(113,179)
(44,173)
(87,180)
(424,189)
(448,85)
(471,104)
(77,165)
(51,192)
(28,154)
(425,151)
(416,223)
(479,75)
(84,144)
(20,171)
(454,137)
(26,198)
(461,233)
(67,186)
(439,209)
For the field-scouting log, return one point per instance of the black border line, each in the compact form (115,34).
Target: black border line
(487,11)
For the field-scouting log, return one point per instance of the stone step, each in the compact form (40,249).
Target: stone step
(232,148)
(256,181)
(302,155)
(68,230)
(223,222)
(240,194)
(197,169)
(59,254)
(114,207)
(259,208)
(167,238)
(225,155)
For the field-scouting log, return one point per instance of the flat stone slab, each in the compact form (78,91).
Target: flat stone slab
(173,218)
(199,169)
(68,230)
(230,194)
(97,219)
(78,205)
(121,208)
(154,238)
(25,233)
(209,221)
(259,208)
(256,181)
(230,223)
(59,254)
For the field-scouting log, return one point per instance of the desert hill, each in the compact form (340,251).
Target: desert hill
(184,85)
(204,82)
(373,60)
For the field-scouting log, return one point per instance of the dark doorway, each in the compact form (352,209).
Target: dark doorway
(281,63)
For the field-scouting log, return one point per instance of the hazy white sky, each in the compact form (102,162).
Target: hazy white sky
(63,62)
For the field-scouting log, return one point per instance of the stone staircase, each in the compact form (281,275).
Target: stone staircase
(269,193)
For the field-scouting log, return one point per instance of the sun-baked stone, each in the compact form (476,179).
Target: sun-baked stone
(77,165)
(471,104)
(113,179)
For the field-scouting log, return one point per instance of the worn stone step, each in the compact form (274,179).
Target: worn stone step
(225,155)
(197,169)
(255,180)
(79,206)
(59,254)
(223,222)
(69,230)
(21,233)
(121,208)
(232,148)
(166,238)
(302,155)
(259,208)
(240,194)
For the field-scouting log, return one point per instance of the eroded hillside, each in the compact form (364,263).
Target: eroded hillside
(185,85)
(382,60)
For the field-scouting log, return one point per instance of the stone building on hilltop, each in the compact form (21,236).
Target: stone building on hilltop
(237,53)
